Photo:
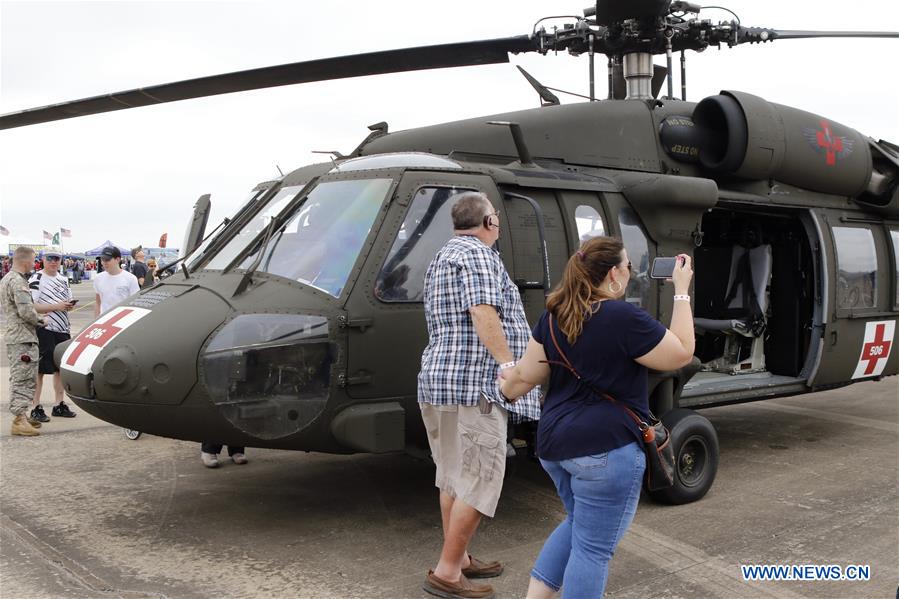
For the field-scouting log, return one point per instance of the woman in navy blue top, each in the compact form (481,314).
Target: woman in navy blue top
(589,446)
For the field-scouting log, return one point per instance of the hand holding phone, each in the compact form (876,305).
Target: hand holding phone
(663,267)
(73,301)
(683,274)
(678,269)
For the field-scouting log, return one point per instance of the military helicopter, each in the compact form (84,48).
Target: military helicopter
(299,320)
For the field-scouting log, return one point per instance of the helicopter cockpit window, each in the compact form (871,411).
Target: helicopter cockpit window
(426,228)
(637,246)
(196,256)
(856,267)
(589,223)
(251,230)
(319,244)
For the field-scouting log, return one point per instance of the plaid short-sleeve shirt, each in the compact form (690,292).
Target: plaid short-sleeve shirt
(456,366)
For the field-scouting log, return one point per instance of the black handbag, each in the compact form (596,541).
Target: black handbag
(659,472)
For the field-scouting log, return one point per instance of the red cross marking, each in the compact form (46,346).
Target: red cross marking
(832,145)
(98,335)
(879,349)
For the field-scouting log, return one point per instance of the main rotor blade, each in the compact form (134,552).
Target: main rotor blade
(341,67)
(798,34)
(762,34)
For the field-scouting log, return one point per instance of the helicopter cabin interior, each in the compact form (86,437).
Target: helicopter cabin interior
(754,299)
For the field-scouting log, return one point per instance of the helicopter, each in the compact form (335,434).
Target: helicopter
(299,321)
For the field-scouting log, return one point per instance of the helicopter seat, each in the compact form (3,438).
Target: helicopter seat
(743,315)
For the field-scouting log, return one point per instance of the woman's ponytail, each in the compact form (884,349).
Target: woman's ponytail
(572,300)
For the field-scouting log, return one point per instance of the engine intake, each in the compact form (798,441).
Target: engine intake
(736,133)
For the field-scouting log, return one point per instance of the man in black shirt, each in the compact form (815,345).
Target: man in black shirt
(139,267)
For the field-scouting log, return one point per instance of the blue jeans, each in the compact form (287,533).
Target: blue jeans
(600,493)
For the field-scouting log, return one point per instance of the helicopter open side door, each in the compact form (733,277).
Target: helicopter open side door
(858,257)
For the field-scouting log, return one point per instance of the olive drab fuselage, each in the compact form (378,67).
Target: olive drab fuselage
(300,325)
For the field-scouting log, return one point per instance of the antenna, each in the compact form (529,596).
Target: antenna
(332,155)
(377,130)
(280,172)
(547,98)
(524,155)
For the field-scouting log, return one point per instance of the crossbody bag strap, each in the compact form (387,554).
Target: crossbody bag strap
(567,364)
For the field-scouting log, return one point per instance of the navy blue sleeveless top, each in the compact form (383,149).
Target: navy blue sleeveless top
(574,422)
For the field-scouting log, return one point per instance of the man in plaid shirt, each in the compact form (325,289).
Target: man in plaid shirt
(477,327)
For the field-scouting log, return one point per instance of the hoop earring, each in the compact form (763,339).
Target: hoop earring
(614,291)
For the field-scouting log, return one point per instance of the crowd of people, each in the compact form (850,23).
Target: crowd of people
(483,366)
(78,269)
(37,299)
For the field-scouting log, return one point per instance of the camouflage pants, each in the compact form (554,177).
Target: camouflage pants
(22,375)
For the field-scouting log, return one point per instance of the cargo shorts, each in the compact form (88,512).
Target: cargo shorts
(469,449)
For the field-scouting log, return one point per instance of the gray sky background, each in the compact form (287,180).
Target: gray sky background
(134,174)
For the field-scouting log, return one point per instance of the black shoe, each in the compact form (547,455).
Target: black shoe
(63,411)
(38,414)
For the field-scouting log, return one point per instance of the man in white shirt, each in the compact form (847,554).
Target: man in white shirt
(52,298)
(113,285)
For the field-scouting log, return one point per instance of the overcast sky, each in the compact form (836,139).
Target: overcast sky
(134,174)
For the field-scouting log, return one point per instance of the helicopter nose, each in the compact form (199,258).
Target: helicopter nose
(144,352)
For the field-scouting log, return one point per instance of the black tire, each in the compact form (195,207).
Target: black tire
(695,445)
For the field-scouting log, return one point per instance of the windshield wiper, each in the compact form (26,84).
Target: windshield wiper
(182,258)
(248,275)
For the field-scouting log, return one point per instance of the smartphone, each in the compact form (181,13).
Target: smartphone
(663,268)
(73,301)
(485,406)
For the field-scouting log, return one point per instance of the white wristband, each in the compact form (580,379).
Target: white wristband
(505,365)
(682,298)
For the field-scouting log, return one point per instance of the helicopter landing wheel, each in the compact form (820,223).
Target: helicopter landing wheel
(695,445)
(132,435)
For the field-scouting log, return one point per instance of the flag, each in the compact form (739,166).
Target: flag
(4,230)
(163,239)
(55,240)
(47,236)
(65,232)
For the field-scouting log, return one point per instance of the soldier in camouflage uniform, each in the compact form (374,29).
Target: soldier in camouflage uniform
(21,339)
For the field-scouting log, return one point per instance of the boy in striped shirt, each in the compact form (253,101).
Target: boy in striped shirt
(53,299)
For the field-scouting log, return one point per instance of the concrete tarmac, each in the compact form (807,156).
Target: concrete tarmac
(84,512)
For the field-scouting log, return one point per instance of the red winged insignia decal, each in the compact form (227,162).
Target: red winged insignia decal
(825,142)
